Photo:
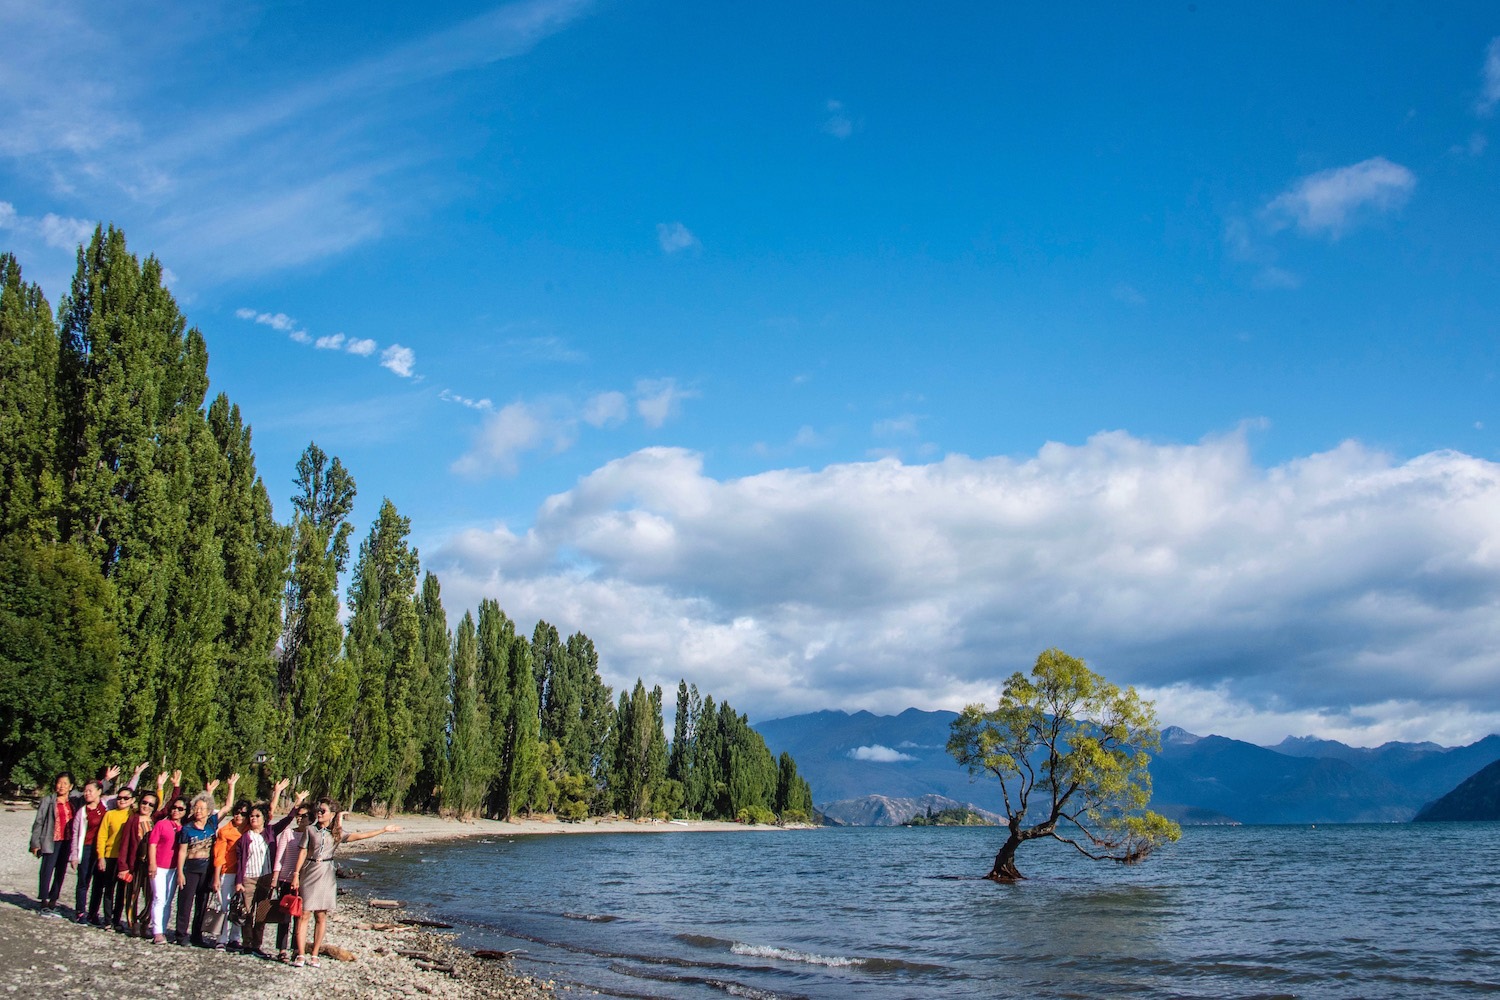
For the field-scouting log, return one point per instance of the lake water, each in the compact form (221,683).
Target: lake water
(1335,911)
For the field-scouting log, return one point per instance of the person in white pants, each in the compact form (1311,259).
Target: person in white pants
(161,845)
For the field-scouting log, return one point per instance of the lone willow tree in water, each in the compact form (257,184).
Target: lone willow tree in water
(1071,751)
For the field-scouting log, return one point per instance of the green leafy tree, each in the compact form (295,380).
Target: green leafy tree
(1071,752)
(468,752)
(315,684)
(518,732)
(30,488)
(59,670)
(496,634)
(432,686)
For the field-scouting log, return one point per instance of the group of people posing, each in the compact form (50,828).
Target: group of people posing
(135,854)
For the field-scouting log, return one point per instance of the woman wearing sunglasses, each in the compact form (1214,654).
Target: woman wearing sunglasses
(314,878)
(195,849)
(134,870)
(161,846)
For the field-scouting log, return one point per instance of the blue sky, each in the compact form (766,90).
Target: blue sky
(846,356)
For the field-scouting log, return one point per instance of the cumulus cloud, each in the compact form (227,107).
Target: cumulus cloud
(277,321)
(879,754)
(330,343)
(1330,201)
(362,348)
(674,237)
(1341,586)
(398,359)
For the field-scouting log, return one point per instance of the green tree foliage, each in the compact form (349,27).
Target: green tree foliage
(315,685)
(59,671)
(518,735)
(469,755)
(433,685)
(30,490)
(1074,748)
(384,648)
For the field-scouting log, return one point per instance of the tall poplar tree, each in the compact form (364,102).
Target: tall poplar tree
(314,685)
(468,759)
(30,489)
(432,686)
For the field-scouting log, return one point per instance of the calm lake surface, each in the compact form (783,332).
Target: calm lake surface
(1336,911)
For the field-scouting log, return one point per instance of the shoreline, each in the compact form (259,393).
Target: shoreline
(54,956)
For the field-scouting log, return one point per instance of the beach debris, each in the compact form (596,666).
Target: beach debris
(385,904)
(414,922)
(498,956)
(348,873)
(435,967)
(342,954)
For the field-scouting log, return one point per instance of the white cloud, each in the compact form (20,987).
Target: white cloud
(1330,587)
(398,359)
(1489,88)
(879,754)
(1328,202)
(56,231)
(674,237)
(362,348)
(838,123)
(606,409)
(514,429)
(659,400)
(332,342)
(545,349)
(297,172)
(276,321)
(904,425)
(448,395)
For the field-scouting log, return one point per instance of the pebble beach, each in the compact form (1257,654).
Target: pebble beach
(49,954)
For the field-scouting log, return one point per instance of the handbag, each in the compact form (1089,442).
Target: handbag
(292,904)
(238,908)
(215,902)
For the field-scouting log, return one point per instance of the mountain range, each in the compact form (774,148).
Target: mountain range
(1196,779)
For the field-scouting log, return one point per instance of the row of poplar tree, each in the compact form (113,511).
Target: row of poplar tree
(153,608)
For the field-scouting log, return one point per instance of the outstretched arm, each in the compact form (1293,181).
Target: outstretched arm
(350,838)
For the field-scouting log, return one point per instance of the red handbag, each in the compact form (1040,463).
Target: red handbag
(292,904)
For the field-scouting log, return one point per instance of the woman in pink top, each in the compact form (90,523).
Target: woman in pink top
(161,847)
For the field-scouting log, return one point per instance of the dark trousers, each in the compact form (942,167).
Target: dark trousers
(192,902)
(286,931)
(50,879)
(105,890)
(83,878)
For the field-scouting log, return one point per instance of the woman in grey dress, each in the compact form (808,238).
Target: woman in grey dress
(314,880)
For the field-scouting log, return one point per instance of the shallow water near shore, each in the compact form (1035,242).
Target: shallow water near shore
(1332,911)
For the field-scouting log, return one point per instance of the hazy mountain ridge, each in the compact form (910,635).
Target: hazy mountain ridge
(1210,779)
(882,810)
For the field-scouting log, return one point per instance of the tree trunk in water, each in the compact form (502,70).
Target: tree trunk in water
(1005,862)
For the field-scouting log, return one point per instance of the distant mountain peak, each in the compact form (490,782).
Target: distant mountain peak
(1179,736)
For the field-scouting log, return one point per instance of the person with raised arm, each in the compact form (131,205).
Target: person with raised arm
(218,926)
(288,852)
(134,869)
(315,878)
(107,887)
(255,855)
(84,857)
(195,848)
(52,833)
(161,846)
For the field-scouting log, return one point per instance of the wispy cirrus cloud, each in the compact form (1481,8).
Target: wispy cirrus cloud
(223,188)
(838,123)
(56,231)
(1489,79)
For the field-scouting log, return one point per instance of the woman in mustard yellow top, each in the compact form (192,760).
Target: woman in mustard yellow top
(111,829)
